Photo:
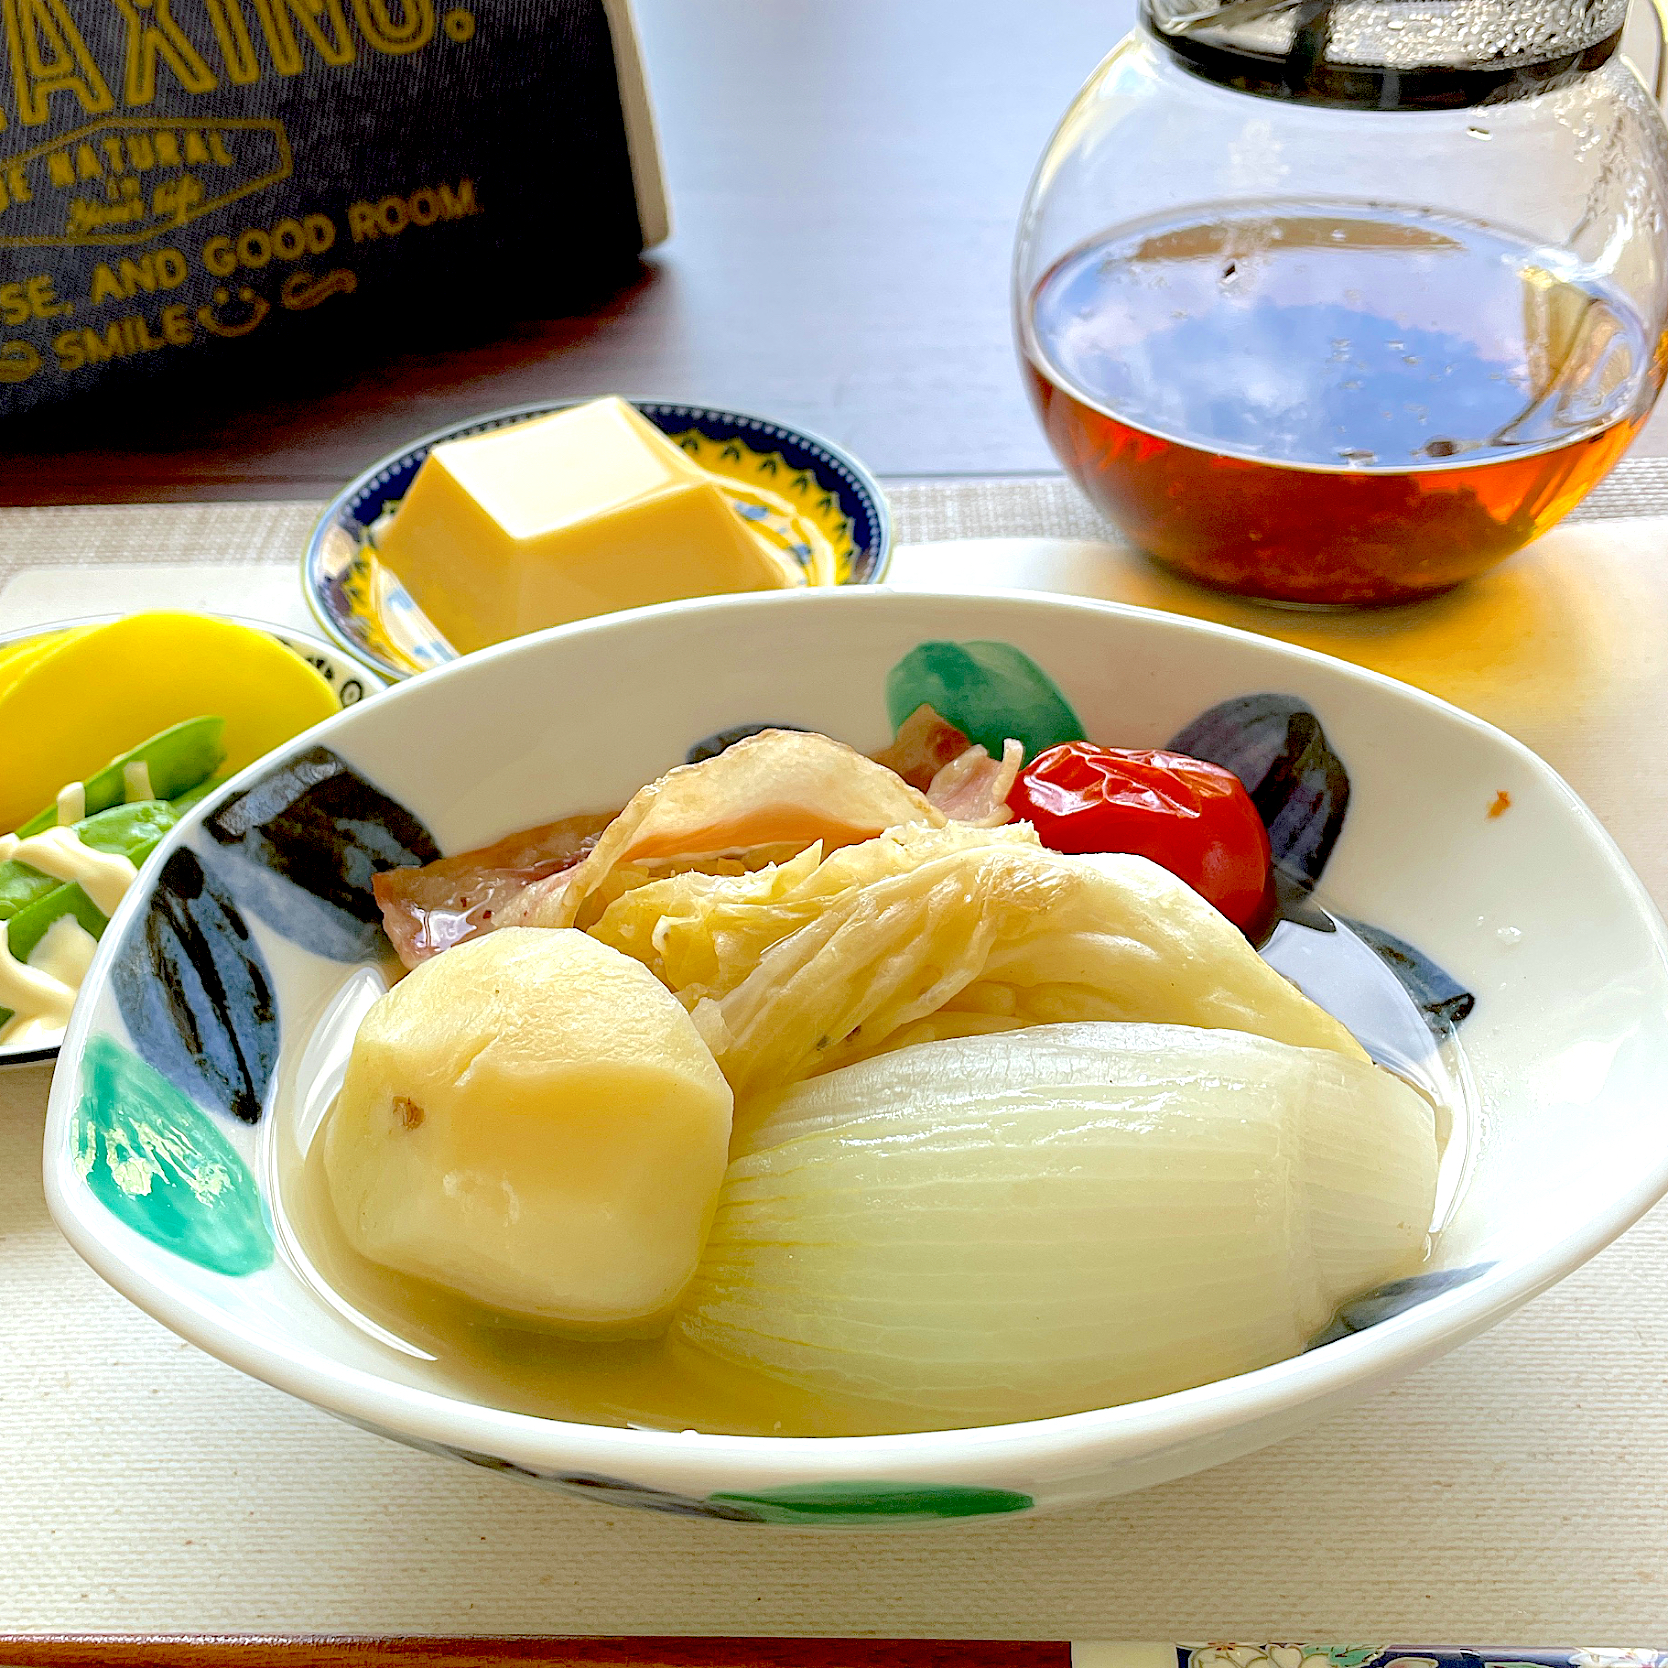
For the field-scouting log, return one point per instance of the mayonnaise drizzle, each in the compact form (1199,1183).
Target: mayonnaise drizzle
(72,803)
(8,844)
(40,1001)
(65,952)
(136,782)
(102,875)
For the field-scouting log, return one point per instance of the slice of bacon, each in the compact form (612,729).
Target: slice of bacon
(429,909)
(973,788)
(924,745)
(763,799)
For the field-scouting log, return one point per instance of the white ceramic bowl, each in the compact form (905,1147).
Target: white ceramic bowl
(349,678)
(1533,911)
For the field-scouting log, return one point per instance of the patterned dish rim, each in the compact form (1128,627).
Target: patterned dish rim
(343,510)
(302,643)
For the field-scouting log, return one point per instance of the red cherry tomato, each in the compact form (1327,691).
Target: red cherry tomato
(1193,818)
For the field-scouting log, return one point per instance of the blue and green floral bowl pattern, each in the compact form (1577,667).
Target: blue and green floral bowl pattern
(1461,934)
(816,502)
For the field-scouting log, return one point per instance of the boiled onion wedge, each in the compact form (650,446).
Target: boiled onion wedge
(1067,1217)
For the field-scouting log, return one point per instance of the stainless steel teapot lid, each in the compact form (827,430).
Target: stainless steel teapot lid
(1390,54)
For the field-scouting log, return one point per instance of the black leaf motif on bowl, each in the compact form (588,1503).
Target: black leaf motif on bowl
(195,993)
(1397,1298)
(302,846)
(709,747)
(1275,745)
(1439,997)
(1278,748)
(612,1490)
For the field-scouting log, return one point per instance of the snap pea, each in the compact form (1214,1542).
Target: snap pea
(30,901)
(176,760)
(28,927)
(180,763)
(129,831)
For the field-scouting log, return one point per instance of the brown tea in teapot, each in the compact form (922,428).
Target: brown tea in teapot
(1312,401)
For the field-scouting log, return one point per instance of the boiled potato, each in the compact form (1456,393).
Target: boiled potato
(531,1120)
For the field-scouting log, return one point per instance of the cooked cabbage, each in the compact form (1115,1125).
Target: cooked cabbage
(1067,1217)
(927,933)
(774,793)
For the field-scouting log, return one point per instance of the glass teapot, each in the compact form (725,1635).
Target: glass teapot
(1344,301)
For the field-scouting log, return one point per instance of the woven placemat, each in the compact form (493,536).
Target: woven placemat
(1512,1491)
(1038,506)
(1050,506)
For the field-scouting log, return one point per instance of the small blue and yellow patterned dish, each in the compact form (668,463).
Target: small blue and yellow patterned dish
(1449,866)
(813,500)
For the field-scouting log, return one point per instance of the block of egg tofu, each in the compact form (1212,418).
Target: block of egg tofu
(564,517)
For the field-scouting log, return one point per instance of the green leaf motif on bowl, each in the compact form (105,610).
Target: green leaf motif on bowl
(869,1505)
(989,691)
(157,1162)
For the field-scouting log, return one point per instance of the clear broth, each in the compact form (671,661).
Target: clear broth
(664,1384)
